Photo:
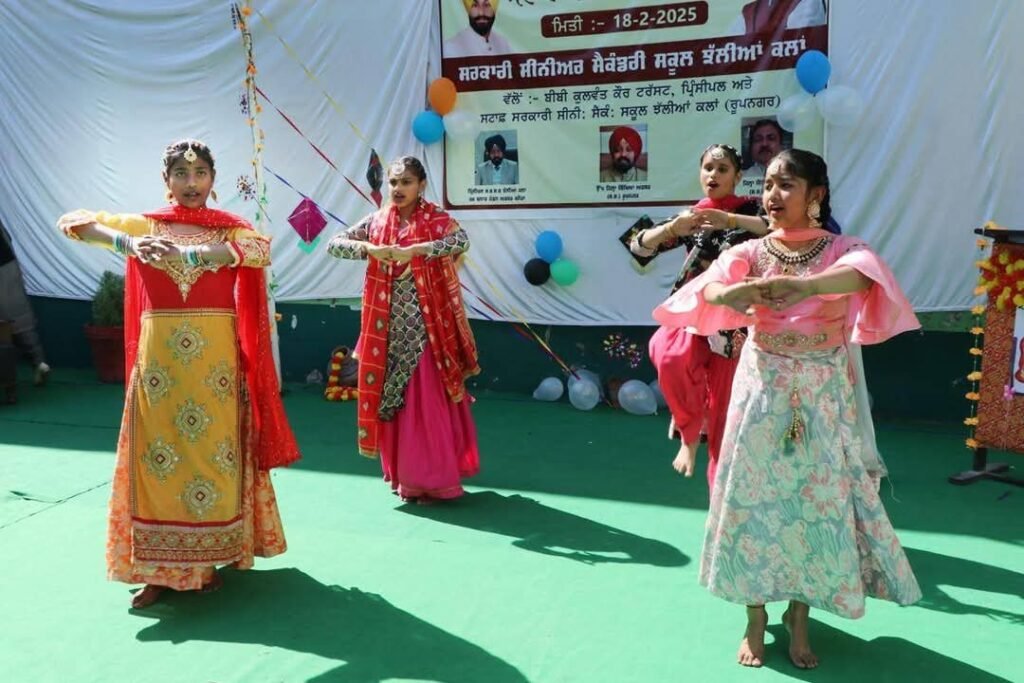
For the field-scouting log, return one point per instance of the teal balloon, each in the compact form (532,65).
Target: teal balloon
(428,127)
(813,70)
(564,272)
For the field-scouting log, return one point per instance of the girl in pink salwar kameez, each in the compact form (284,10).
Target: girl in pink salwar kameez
(795,512)
(415,348)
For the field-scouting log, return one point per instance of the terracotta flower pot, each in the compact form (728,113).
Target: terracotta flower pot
(107,352)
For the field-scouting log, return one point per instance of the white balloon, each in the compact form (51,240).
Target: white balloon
(590,376)
(583,394)
(659,396)
(797,112)
(636,398)
(461,124)
(840,105)
(549,389)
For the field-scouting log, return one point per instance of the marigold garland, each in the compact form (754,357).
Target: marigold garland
(334,391)
(990,279)
(1002,279)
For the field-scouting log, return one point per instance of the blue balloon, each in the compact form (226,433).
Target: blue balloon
(813,70)
(549,246)
(428,127)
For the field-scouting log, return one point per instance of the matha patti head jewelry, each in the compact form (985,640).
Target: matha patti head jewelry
(717,153)
(190,155)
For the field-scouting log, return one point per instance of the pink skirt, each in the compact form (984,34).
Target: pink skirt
(430,444)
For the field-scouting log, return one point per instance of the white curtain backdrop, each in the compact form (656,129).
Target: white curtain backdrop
(94,90)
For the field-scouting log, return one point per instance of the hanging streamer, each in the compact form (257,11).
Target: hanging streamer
(315,148)
(251,109)
(520,327)
(310,75)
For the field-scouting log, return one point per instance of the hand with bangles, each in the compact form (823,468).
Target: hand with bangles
(80,225)
(395,254)
(714,219)
(150,248)
(682,225)
(782,291)
(741,297)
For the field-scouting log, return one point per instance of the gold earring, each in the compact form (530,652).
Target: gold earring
(169,196)
(814,213)
(213,194)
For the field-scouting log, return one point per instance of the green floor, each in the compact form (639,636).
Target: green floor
(574,558)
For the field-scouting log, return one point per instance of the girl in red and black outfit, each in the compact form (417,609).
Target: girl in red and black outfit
(695,372)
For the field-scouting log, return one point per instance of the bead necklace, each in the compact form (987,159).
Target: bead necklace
(791,259)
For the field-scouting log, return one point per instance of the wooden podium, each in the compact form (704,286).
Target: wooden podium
(1000,413)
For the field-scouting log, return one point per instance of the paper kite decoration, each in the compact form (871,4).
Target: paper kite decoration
(625,238)
(307,220)
(375,176)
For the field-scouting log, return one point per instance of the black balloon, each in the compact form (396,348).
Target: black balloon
(537,271)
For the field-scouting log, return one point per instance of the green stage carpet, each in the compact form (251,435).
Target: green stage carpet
(573,559)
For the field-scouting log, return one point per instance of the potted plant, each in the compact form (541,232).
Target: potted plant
(106,334)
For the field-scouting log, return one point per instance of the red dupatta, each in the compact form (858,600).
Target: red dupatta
(728,203)
(437,284)
(272,439)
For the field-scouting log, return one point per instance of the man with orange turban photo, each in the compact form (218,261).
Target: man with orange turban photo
(625,161)
(479,39)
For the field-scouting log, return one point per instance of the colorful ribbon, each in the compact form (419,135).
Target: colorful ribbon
(313,145)
(310,75)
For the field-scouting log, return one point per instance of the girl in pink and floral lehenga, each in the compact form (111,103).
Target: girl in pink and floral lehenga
(795,513)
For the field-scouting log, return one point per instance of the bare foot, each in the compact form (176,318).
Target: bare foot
(795,619)
(147,596)
(751,651)
(42,374)
(213,584)
(686,459)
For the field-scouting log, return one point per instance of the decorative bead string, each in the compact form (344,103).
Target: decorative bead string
(795,258)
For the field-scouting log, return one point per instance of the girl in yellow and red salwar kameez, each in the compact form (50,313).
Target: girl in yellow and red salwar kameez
(203,421)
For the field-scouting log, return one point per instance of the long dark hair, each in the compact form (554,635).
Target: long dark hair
(809,167)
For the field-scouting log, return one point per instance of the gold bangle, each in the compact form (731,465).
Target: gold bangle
(730,221)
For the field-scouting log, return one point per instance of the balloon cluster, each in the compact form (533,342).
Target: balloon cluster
(549,263)
(430,125)
(617,346)
(586,391)
(839,105)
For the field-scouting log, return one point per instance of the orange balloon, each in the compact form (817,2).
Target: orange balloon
(441,95)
